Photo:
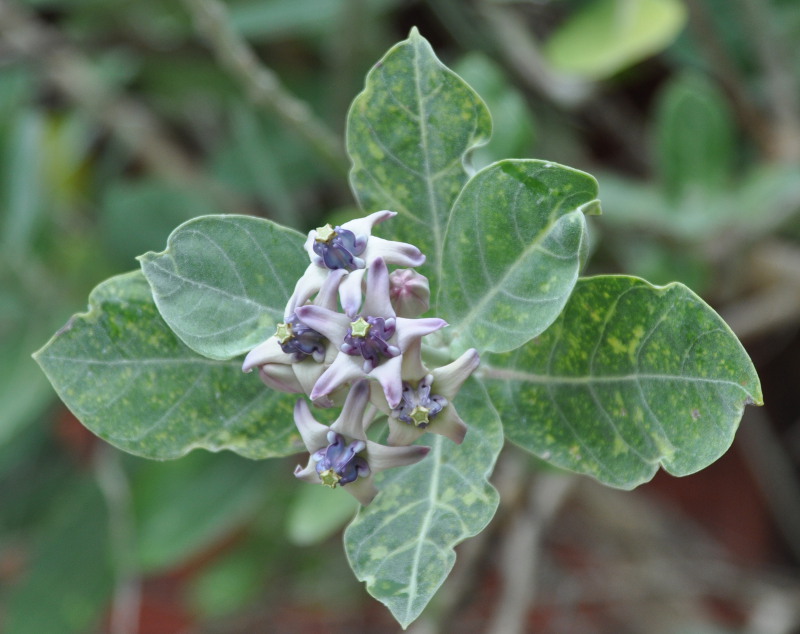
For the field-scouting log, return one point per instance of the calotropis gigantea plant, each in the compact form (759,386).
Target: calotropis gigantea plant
(607,376)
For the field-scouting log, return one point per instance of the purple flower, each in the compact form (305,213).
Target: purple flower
(427,397)
(349,247)
(294,357)
(341,455)
(410,292)
(370,344)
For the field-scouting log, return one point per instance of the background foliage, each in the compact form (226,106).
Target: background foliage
(118,121)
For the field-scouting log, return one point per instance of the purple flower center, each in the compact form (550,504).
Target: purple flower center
(417,405)
(368,337)
(338,463)
(299,340)
(339,248)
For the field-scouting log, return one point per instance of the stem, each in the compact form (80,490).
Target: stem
(113,483)
(262,84)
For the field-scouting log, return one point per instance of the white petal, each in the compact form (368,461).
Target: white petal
(362,489)
(364,226)
(395,253)
(308,284)
(280,377)
(350,422)
(308,473)
(377,302)
(350,292)
(401,433)
(388,375)
(380,457)
(328,323)
(313,433)
(266,352)
(448,379)
(410,329)
(343,369)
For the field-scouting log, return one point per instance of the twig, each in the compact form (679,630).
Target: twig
(127,593)
(521,549)
(73,76)
(781,85)
(262,85)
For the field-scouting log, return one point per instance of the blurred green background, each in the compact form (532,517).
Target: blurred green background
(119,119)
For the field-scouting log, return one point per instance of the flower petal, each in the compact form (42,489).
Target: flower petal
(308,473)
(449,378)
(331,324)
(350,422)
(410,329)
(328,292)
(396,253)
(401,433)
(449,424)
(388,375)
(362,489)
(364,226)
(377,302)
(308,284)
(280,377)
(380,457)
(313,433)
(350,292)
(267,352)
(343,369)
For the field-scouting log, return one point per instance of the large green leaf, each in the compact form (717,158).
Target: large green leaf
(223,281)
(408,134)
(694,137)
(629,377)
(125,375)
(402,544)
(514,242)
(605,36)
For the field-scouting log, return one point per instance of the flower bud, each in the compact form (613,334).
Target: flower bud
(409,293)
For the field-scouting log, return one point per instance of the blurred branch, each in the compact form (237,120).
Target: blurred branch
(263,86)
(729,75)
(521,549)
(781,85)
(113,482)
(73,75)
(774,473)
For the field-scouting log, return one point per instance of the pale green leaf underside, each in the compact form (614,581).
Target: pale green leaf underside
(127,378)
(224,280)
(630,377)
(401,545)
(514,246)
(408,134)
(605,36)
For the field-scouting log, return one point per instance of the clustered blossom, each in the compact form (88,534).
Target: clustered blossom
(352,334)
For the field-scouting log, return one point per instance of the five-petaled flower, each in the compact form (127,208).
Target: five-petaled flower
(341,455)
(352,248)
(371,343)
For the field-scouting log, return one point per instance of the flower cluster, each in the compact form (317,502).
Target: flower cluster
(352,333)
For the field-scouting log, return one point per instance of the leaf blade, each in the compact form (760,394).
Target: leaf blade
(402,544)
(516,237)
(408,134)
(224,280)
(632,376)
(124,374)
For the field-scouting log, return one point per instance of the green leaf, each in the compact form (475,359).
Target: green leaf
(223,282)
(630,376)
(515,243)
(69,579)
(125,375)
(184,506)
(694,130)
(401,545)
(606,36)
(408,134)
